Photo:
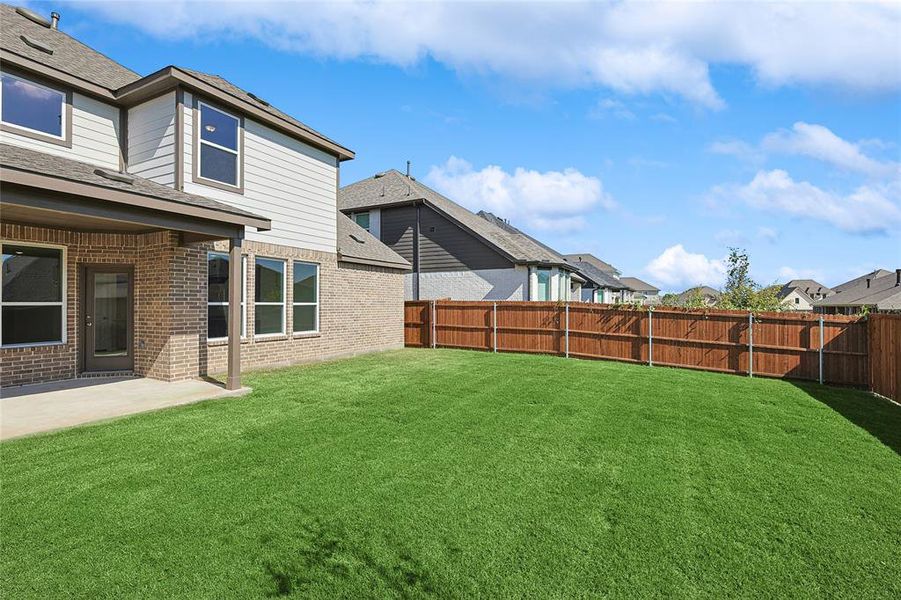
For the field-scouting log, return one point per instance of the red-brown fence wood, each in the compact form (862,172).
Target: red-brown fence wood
(885,355)
(784,344)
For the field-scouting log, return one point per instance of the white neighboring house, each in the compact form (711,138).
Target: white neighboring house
(801,294)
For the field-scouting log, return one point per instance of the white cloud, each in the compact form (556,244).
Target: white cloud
(822,144)
(550,200)
(609,106)
(678,268)
(767,234)
(737,148)
(631,48)
(868,209)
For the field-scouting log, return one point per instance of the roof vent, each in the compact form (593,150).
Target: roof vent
(36,44)
(257,98)
(378,175)
(33,16)
(356,239)
(54,20)
(114,176)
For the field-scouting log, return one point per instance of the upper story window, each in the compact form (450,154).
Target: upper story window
(219,146)
(362,219)
(34,110)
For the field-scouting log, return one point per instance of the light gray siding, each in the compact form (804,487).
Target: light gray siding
(95,135)
(488,284)
(292,183)
(151,139)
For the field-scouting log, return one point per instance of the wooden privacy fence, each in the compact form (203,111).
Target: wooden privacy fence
(825,348)
(885,355)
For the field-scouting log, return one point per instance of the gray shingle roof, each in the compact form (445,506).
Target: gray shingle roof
(23,159)
(601,278)
(357,244)
(880,292)
(808,286)
(393,188)
(860,280)
(229,88)
(637,285)
(703,290)
(69,55)
(591,259)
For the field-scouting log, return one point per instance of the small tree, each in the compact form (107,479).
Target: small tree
(743,293)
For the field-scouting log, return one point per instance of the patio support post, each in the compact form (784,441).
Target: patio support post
(650,338)
(821,350)
(494,326)
(233,382)
(750,344)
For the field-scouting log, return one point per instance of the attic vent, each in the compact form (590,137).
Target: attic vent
(115,176)
(34,17)
(258,99)
(378,175)
(356,239)
(36,44)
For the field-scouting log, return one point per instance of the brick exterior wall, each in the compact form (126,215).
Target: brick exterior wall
(361,308)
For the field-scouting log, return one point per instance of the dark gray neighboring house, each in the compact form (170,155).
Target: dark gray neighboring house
(455,253)
(882,293)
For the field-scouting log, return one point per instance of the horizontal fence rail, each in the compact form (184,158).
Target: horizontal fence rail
(825,348)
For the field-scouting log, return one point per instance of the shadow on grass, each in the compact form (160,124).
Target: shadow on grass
(880,417)
(323,554)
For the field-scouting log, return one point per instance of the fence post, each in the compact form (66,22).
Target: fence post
(650,337)
(494,327)
(567,331)
(434,318)
(821,350)
(750,344)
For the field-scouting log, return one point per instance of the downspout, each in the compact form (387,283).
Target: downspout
(416,253)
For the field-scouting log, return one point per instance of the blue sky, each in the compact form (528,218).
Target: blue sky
(652,136)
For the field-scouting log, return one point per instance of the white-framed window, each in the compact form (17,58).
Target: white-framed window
(543,286)
(33,294)
(269,297)
(32,107)
(217,295)
(362,219)
(219,142)
(306,297)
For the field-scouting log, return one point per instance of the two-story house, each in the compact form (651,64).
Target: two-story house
(455,253)
(170,225)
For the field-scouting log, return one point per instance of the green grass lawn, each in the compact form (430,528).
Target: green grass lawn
(448,473)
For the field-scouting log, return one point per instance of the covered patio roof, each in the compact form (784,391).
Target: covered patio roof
(46,190)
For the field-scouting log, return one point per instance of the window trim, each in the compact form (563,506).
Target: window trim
(316,329)
(65,139)
(196,177)
(243,296)
(368,214)
(283,303)
(63,303)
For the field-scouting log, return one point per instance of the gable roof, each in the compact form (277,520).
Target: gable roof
(392,188)
(876,273)
(89,71)
(593,260)
(69,55)
(357,245)
(16,160)
(599,277)
(786,291)
(637,285)
(808,286)
(703,290)
(880,291)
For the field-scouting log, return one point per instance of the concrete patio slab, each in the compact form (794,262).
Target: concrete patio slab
(50,406)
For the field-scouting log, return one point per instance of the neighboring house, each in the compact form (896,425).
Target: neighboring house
(800,294)
(707,294)
(132,205)
(641,290)
(857,281)
(601,285)
(455,253)
(882,293)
